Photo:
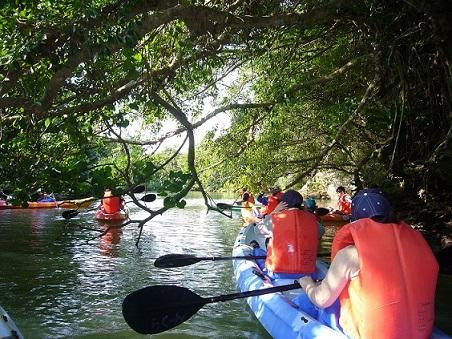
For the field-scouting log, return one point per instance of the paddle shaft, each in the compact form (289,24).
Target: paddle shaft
(247,257)
(180,260)
(254,293)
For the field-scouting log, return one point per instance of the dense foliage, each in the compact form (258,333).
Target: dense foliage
(362,88)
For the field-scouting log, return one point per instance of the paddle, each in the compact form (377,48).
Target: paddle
(158,308)
(139,189)
(149,197)
(321,211)
(73,213)
(224,206)
(180,260)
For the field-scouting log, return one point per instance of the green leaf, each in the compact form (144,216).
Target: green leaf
(47,122)
(168,202)
(137,57)
(181,204)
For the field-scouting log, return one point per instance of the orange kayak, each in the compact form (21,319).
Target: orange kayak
(335,217)
(77,203)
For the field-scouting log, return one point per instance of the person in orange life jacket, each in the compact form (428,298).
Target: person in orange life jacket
(247,197)
(344,203)
(266,228)
(250,213)
(110,203)
(271,201)
(382,278)
(292,251)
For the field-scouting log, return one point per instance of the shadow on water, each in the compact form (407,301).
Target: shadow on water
(55,284)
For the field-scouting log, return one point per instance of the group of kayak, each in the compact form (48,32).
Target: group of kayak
(380,284)
(112,208)
(251,212)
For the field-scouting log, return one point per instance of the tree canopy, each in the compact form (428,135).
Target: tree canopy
(362,88)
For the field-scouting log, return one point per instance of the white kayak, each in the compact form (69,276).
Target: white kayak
(8,329)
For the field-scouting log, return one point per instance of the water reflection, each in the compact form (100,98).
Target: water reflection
(108,243)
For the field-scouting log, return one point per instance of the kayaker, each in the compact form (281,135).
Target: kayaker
(310,204)
(110,203)
(344,203)
(382,278)
(271,201)
(247,197)
(292,251)
(43,197)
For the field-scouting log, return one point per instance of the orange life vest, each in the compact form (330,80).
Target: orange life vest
(344,205)
(272,202)
(293,248)
(111,204)
(393,295)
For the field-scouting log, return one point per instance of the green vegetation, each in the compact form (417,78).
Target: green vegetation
(362,88)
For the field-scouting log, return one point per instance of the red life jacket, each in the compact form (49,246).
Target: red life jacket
(344,205)
(293,248)
(273,201)
(393,295)
(111,204)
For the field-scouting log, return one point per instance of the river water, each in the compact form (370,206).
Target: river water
(55,283)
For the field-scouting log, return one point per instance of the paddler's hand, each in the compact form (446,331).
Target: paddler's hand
(280,207)
(306,282)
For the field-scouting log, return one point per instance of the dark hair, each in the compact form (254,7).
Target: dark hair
(254,244)
(267,240)
(292,198)
(340,189)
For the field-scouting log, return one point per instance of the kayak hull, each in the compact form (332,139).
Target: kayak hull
(76,203)
(8,328)
(118,216)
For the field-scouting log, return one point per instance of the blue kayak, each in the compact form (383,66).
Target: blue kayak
(277,312)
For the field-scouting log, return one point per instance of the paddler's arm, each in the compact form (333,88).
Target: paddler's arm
(344,267)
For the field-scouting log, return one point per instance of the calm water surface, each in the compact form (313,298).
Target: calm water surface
(56,284)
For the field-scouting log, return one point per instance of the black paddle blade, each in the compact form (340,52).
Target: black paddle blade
(149,197)
(155,309)
(223,206)
(321,211)
(175,260)
(139,189)
(69,214)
